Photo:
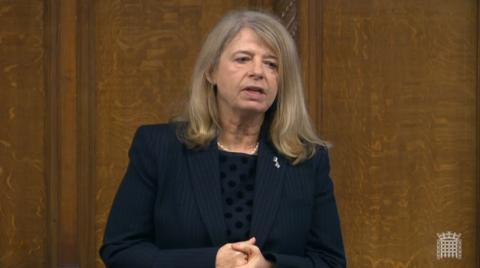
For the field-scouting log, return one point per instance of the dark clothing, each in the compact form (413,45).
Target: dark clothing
(237,178)
(168,209)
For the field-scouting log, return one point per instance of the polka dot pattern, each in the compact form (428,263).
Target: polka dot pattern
(237,175)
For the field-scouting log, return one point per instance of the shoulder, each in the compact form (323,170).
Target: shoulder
(157,132)
(163,129)
(319,158)
(321,155)
(155,137)
(318,164)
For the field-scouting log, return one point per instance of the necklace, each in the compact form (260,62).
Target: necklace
(253,151)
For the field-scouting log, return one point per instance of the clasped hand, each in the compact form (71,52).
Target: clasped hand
(244,254)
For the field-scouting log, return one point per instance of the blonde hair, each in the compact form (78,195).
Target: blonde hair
(291,130)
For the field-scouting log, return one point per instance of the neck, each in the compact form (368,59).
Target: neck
(240,134)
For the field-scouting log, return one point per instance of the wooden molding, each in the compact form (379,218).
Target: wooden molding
(287,11)
(51,129)
(310,46)
(70,140)
(86,103)
(67,111)
(477,244)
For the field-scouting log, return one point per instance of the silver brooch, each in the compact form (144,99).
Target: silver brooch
(275,161)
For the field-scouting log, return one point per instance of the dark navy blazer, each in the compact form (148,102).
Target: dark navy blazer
(168,208)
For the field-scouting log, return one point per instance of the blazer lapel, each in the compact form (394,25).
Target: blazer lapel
(268,185)
(204,172)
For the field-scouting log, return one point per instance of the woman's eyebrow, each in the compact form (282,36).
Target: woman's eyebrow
(250,53)
(269,56)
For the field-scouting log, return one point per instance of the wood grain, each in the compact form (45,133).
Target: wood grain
(400,102)
(310,46)
(22,153)
(51,127)
(477,40)
(86,133)
(67,135)
(394,85)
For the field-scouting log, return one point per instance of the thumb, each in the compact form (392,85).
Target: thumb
(250,241)
(244,246)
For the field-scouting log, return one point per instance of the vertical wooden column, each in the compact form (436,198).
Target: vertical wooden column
(287,10)
(86,103)
(310,46)
(51,129)
(303,20)
(67,135)
(61,127)
(478,134)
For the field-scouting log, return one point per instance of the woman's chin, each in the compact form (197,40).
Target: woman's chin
(253,109)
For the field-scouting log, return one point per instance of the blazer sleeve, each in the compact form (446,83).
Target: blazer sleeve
(324,247)
(129,234)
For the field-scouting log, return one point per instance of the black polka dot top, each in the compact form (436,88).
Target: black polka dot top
(237,176)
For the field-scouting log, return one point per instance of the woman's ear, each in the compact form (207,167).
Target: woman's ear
(210,75)
(209,78)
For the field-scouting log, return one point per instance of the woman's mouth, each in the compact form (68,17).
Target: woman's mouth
(254,90)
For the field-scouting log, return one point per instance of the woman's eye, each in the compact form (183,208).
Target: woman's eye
(272,65)
(242,59)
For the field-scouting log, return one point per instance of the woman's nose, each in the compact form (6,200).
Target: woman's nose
(257,70)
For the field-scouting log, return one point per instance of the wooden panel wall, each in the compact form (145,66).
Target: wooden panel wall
(392,84)
(400,102)
(23,198)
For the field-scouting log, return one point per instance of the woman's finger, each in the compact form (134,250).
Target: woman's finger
(245,248)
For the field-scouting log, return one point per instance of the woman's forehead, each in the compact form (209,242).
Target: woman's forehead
(247,39)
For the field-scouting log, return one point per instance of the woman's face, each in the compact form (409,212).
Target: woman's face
(246,75)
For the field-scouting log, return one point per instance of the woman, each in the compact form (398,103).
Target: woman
(241,180)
